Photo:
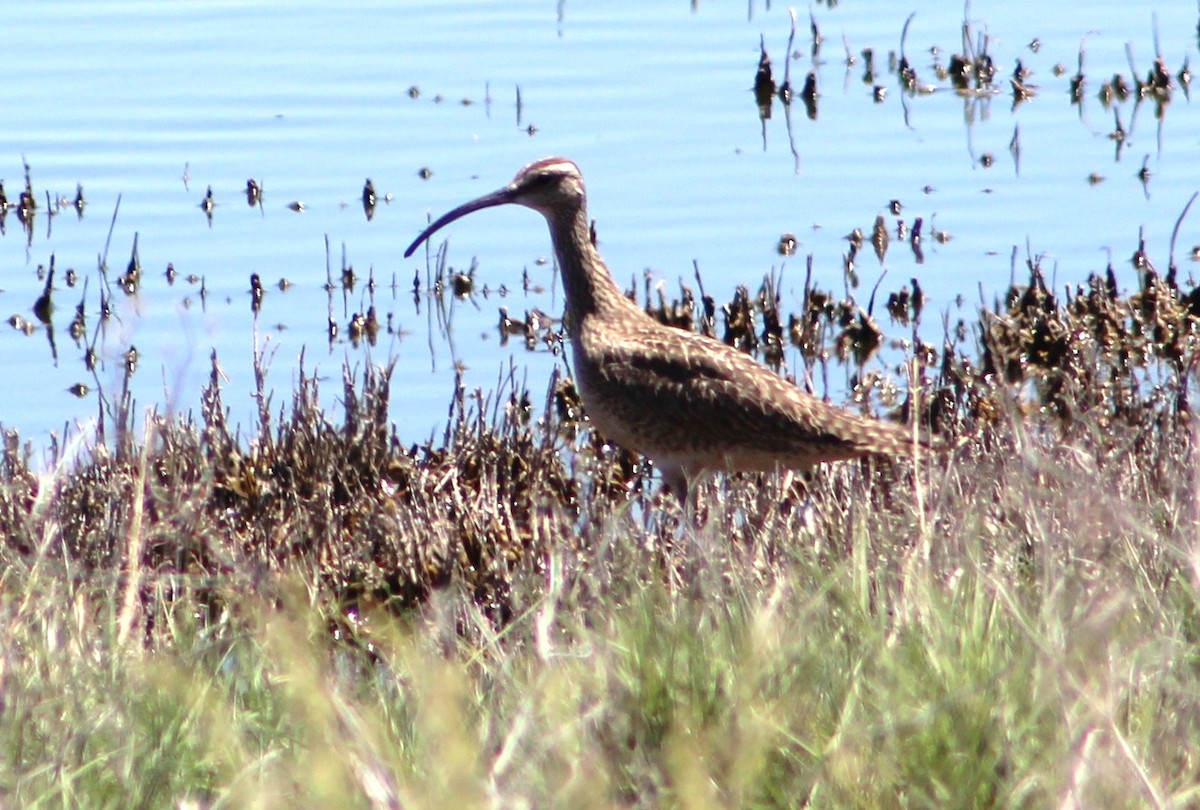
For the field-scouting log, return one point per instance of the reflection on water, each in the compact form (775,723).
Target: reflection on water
(262,173)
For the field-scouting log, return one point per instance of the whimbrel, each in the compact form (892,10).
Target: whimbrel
(690,403)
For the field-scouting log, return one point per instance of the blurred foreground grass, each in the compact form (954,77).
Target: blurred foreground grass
(512,617)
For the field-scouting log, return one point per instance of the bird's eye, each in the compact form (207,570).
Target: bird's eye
(538,181)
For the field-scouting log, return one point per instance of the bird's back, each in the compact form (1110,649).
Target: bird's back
(691,401)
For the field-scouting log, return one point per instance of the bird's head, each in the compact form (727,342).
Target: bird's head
(549,186)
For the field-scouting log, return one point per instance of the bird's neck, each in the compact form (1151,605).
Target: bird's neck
(589,287)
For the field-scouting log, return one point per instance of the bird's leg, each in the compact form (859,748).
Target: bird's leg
(685,484)
(675,479)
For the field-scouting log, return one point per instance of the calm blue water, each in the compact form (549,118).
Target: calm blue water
(154,103)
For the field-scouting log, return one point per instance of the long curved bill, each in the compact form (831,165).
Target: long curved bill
(501,196)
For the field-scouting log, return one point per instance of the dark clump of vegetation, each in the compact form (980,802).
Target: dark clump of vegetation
(379,521)
(511,614)
(372,520)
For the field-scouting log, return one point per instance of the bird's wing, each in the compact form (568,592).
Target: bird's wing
(720,397)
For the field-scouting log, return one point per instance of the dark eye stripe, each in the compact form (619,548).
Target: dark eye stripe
(541,179)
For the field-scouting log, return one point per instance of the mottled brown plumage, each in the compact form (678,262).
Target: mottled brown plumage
(687,401)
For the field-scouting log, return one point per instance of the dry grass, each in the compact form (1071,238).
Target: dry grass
(512,617)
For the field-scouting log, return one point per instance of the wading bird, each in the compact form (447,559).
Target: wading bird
(690,403)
